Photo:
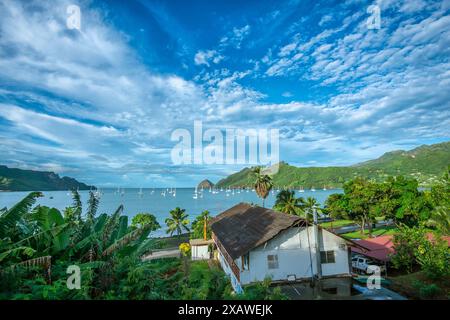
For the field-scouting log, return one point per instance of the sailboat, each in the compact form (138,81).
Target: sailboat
(324,188)
(195,196)
(98,193)
(140,193)
(301,190)
(174,192)
(312,189)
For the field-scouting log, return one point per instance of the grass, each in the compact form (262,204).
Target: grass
(382,231)
(407,285)
(168,242)
(337,223)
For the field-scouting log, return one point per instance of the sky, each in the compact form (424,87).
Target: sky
(101,102)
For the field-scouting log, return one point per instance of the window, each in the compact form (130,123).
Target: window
(272,261)
(246,261)
(327,256)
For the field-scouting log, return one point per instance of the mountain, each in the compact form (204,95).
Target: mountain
(425,163)
(205,184)
(12,179)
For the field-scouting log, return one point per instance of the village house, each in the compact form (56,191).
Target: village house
(254,243)
(381,249)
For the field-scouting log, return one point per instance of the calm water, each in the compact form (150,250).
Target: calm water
(157,204)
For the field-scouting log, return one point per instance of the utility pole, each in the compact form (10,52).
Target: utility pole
(317,244)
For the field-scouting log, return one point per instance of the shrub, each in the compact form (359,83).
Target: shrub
(406,242)
(427,291)
(433,258)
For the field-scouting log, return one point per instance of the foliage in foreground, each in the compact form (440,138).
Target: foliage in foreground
(37,245)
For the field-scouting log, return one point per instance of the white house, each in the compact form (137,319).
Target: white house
(254,243)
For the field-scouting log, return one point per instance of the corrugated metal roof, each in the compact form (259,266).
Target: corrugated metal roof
(245,227)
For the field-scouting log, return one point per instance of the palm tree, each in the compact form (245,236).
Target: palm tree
(309,206)
(263,183)
(287,202)
(198,226)
(177,221)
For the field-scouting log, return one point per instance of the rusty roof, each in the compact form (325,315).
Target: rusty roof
(245,227)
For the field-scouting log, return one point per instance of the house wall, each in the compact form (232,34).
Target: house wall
(330,241)
(200,252)
(226,268)
(292,249)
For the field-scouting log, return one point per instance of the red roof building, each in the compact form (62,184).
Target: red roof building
(382,247)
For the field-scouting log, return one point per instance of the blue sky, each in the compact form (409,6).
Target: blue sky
(99,104)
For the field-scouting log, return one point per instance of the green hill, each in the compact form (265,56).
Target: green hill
(425,163)
(12,179)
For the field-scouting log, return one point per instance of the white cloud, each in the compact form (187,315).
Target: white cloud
(205,57)
(325,19)
(236,37)
(101,107)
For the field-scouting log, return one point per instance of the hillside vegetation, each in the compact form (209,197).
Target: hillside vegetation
(12,179)
(425,163)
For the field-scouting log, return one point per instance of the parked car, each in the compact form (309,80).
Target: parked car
(361,264)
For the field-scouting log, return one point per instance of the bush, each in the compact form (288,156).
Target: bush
(427,291)
(406,242)
(433,258)
(261,291)
(205,283)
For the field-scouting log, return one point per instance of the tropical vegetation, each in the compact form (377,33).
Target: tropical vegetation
(42,249)
(37,245)
(198,226)
(262,183)
(177,222)
(14,179)
(287,202)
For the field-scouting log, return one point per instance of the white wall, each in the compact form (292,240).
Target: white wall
(226,268)
(200,252)
(330,241)
(292,248)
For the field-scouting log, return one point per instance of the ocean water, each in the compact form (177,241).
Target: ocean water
(153,201)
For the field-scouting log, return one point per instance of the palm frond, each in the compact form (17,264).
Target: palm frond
(93,203)
(45,261)
(125,240)
(77,205)
(112,224)
(17,252)
(9,218)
